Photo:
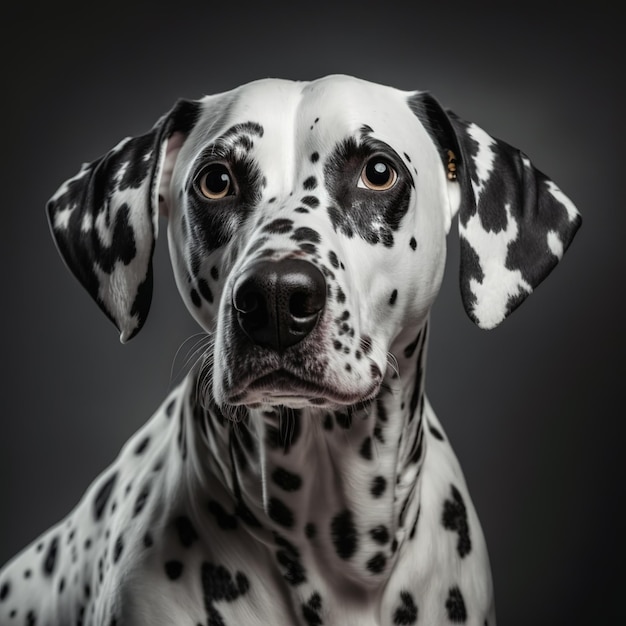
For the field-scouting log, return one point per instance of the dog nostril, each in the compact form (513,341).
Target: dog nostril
(247,302)
(251,306)
(304,304)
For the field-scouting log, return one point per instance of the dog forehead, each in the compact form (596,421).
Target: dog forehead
(341,104)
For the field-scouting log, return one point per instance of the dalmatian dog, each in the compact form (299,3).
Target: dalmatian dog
(298,474)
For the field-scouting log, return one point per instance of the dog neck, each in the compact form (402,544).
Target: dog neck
(340,488)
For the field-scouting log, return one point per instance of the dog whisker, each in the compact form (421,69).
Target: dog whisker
(194,354)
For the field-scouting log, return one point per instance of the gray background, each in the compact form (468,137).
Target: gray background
(533,408)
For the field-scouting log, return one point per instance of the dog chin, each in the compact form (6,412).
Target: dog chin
(281,388)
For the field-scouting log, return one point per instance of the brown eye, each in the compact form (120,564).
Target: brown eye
(215,182)
(378,175)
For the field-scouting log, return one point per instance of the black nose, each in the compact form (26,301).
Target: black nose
(278,303)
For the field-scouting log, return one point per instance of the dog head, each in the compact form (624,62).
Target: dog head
(307,226)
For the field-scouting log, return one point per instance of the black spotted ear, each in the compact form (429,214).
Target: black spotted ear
(105,219)
(514,222)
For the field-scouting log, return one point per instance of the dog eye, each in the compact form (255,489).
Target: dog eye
(215,182)
(378,175)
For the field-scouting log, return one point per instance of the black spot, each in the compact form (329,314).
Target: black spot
(286,480)
(310,201)
(28,573)
(393,297)
(142,445)
(344,534)
(410,349)
(278,226)
(147,540)
(5,590)
(406,613)
(372,216)
(366,449)
(414,528)
(103,495)
(141,499)
(344,420)
(413,243)
(244,142)
(311,610)
(310,183)
(306,234)
(454,518)
(205,290)
(310,530)
(169,409)
(62,585)
(379,484)
(186,532)
(51,557)
(251,128)
(455,605)
(195,298)
(288,557)
(417,447)
(173,569)
(225,520)
(435,432)
(280,513)
(87,590)
(341,296)
(328,422)
(117,548)
(31,618)
(217,585)
(315,157)
(378,433)
(380,534)
(309,248)
(377,563)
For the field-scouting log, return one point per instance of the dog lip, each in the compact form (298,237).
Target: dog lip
(285,384)
(282,384)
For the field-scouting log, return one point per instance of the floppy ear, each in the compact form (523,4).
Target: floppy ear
(514,222)
(105,219)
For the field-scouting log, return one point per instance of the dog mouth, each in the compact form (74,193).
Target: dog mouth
(282,387)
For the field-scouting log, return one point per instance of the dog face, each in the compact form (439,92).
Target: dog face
(307,225)
(289,178)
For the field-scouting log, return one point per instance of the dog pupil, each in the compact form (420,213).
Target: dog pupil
(378,172)
(217,180)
